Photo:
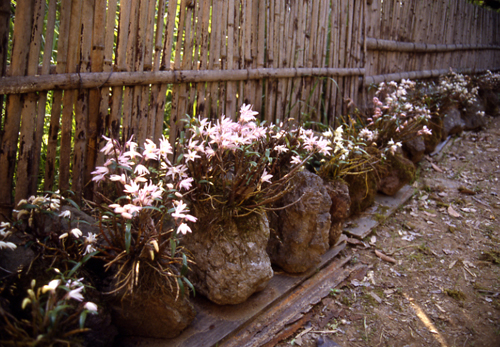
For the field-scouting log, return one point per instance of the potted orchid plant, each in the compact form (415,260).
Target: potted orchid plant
(239,168)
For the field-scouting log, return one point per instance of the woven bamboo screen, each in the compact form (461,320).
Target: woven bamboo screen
(77,69)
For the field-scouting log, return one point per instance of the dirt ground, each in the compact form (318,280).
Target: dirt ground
(440,285)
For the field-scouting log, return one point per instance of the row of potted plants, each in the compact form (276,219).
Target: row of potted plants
(236,198)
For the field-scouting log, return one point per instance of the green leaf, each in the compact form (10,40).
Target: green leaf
(184,268)
(73,270)
(88,256)
(190,285)
(83,317)
(181,286)
(173,246)
(128,236)
(73,203)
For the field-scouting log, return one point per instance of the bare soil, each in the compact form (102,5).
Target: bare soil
(443,288)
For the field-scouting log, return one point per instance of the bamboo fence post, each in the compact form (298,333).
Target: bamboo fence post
(259,45)
(107,124)
(284,13)
(81,107)
(129,102)
(69,97)
(214,63)
(115,116)
(19,59)
(25,158)
(297,60)
(331,85)
(270,86)
(94,100)
(320,59)
(42,101)
(61,67)
(310,51)
(289,86)
(193,97)
(357,42)
(348,57)
(139,121)
(203,47)
(231,86)
(185,105)
(157,115)
(4,44)
(343,13)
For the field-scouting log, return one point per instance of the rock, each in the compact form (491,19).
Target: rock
(230,256)
(335,232)
(152,313)
(362,190)
(452,122)
(490,101)
(415,149)
(340,210)
(341,201)
(14,260)
(396,172)
(300,233)
(473,116)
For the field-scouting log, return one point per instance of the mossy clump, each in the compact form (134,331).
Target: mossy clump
(492,256)
(455,294)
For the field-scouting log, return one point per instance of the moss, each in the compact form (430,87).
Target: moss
(379,217)
(455,294)
(492,256)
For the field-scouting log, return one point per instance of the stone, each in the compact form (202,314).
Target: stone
(230,258)
(415,149)
(152,313)
(340,210)
(473,116)
(362,191)
(300,233)
(395,173)
(452,122)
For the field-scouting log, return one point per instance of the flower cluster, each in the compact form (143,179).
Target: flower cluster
(399,114)
(143,185)
(56,313)
(5,232)
(242,165)
(459,89)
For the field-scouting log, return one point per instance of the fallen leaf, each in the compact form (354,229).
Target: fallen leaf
(429,214)
(467,191)
(376,297)
(436,168)
(385,257)
(452,264)
(452,212)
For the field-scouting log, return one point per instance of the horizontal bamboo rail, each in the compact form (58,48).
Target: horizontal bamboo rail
(28,84)
(415,47)
(413,75)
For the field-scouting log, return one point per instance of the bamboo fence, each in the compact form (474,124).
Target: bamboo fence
(74,70)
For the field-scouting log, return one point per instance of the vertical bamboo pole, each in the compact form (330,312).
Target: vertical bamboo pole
(4,44)
(81,107)
(28,113)
(214,56)
(332,85)
(231,86)
(186,105)
(284,14)
(40,119)
(19,59)
(69,97)
(156,116)
(175,117)
(297,60)
(139,121)
(270,88)
(247,19)
(203,47)
(258,49)
(108,125)
(147,106)
(129,102)
(223,56)
(94,101)
(61,67)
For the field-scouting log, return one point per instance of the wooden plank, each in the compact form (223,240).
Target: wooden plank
(362,225)
(214,322)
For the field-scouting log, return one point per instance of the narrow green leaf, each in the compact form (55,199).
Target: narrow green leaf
(83,317)
(190,285)
(128,236)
